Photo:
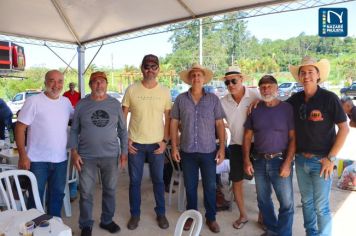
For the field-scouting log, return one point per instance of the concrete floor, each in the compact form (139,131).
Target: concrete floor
(343,205)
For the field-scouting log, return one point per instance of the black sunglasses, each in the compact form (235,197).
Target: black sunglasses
(227,82)
(152,67)
(303,111)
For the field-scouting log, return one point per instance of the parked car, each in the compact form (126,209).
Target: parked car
(209,89)
(298,87)
(174,94)
(221,92)
(19,99)
(349,91)
(285,89)
(116,95)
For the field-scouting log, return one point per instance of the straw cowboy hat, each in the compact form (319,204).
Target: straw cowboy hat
(184,75)
(232,71)
(323,66)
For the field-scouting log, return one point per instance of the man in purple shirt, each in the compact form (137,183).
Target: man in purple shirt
(200,115)
(272,126)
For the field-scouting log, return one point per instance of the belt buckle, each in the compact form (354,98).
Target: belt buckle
(268,156)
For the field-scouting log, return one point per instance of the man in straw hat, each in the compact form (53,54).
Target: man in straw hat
(200,115)
(235,106)
(273,155)
(316,111)
(148,102)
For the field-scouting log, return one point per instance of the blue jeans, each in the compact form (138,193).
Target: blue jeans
(135,164)
(266,177)
(54,175)
(315,191)
(87,181)
(191,163)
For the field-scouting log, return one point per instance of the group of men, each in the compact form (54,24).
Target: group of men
(263,143)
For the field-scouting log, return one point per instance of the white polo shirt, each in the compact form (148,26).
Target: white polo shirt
(236,113)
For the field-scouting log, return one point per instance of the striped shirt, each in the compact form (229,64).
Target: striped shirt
(197,121)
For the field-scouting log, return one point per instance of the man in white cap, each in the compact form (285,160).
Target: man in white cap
(316,112)
(235,106)
(201,116)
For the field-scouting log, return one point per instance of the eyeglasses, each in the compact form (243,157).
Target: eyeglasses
(303,111)
(152,67)
(227,82)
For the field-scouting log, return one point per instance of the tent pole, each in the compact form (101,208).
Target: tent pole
(81,68)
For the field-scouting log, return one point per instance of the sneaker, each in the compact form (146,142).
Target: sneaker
(133,222)
(86,231)
(111,227)
(162,222)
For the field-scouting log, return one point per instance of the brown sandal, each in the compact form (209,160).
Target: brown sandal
(238,224)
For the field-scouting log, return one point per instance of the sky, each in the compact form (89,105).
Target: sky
(130,52)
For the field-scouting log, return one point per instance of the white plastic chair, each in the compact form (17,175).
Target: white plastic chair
(196,225)
(4,167)
(177,175)
(72,176)
(6,190)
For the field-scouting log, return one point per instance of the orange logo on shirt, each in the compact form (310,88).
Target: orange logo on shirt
(315,115)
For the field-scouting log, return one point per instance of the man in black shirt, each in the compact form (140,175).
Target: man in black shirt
(316,112)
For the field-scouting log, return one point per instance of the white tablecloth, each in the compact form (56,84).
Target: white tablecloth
(10,222)
(10,155)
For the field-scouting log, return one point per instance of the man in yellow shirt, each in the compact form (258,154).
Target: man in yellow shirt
(148,102)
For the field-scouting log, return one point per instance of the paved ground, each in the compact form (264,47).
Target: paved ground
(343,208)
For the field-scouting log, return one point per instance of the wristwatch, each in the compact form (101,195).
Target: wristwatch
(331,158)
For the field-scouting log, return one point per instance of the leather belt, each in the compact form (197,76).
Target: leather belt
(269,156)
(309,155)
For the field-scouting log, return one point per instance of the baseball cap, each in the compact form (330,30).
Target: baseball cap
(98,74)
(267,79)
(150,58)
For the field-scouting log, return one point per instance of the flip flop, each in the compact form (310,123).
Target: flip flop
(239,224)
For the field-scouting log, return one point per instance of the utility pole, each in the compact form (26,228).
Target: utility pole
(201,41)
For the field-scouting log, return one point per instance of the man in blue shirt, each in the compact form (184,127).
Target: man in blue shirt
(5,118)
(200,115)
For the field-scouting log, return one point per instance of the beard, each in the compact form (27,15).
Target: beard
(269,97)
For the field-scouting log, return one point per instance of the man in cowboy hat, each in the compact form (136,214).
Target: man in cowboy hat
(235,106)
(316,111)
(200,115)
(148,102)
(273,156)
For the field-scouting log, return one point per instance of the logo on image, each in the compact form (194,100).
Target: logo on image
(332,22)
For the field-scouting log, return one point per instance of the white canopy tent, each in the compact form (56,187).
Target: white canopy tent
(84,22)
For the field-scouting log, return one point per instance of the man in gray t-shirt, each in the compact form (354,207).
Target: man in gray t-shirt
(272,126)
(98,139)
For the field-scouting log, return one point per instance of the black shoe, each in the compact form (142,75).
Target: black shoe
(111,227)
(133,222)
(162,222)
(86,231)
